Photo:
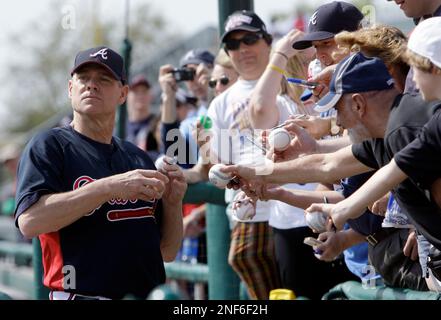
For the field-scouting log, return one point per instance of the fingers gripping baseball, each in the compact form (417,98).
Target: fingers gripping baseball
(138,184)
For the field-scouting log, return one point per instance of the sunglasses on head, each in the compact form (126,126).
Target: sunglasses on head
(249,39)
(223,80)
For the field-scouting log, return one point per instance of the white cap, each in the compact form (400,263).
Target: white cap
(425,40)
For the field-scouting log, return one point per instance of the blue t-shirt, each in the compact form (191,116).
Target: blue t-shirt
(368,223)
(356,257)
(115,249)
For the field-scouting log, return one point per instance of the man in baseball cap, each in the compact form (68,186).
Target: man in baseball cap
(105,57)
(196,57)
(360,81)
(355,74)
(140,120)
(328,20)
(244,21)
(79,177)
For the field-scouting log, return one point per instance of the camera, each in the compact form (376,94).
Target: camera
(183,74)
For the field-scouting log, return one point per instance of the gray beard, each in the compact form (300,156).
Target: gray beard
(358,134)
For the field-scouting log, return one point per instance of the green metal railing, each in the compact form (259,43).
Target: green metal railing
(352,290)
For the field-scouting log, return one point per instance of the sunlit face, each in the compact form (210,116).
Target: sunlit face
(350,120)
(94,90)
(138,98)
(325,49)
(428,83)
(219,73)
(249,60)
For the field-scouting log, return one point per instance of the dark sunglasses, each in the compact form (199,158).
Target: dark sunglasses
(223,80)
(249,39)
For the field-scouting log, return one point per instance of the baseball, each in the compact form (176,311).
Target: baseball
(244,210)
(317,221)
(159,163)
(218,178)
(279,139)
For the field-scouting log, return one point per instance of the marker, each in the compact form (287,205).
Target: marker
(254,143)
(302,83)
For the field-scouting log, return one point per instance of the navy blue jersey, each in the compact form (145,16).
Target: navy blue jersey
(114,249)
(368,222)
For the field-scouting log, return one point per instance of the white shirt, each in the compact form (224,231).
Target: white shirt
(283,215)
(231,127)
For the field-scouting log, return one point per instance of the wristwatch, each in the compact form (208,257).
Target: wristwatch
(335,129)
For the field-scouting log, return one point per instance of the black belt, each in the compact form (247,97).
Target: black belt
(374,238)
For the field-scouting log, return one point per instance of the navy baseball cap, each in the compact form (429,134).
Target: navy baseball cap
(139,80)
(355,73)
(105,57)
(197,56)
(307,94)
(243,21)
(328,20)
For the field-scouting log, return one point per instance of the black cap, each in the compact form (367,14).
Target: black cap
(244,21)
(197,56)
(105,57)
(328,20)
(139,80)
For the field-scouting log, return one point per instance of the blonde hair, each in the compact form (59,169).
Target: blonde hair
(223,59)
(295,67)
(420,62)
(385,42)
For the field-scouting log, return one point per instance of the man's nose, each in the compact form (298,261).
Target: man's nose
(321,53)
(243,47)
(92,84)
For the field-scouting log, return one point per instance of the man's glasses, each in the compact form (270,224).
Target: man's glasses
(249,39)
(223,80)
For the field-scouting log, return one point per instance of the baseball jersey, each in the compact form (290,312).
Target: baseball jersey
(113,250)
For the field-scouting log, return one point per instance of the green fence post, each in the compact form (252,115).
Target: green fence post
(223,283)
(121,118)
(127,55)
(227,7)
(41,292)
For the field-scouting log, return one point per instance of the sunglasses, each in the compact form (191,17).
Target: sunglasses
(249,39)
(223,80)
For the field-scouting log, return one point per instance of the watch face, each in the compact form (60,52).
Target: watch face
(335,130)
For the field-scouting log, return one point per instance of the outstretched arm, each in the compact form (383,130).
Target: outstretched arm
(263,110)
(301,198)
(325,168)
(352,207)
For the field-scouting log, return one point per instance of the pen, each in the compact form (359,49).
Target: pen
(254,143)
(298,116)
(303,83)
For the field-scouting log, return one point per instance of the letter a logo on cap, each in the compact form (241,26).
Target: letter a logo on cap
(102,53)
(313,19)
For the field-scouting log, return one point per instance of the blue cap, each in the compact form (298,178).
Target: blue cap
(328,20)
(306,95)
(355,73)
(197,56)
(105,57)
